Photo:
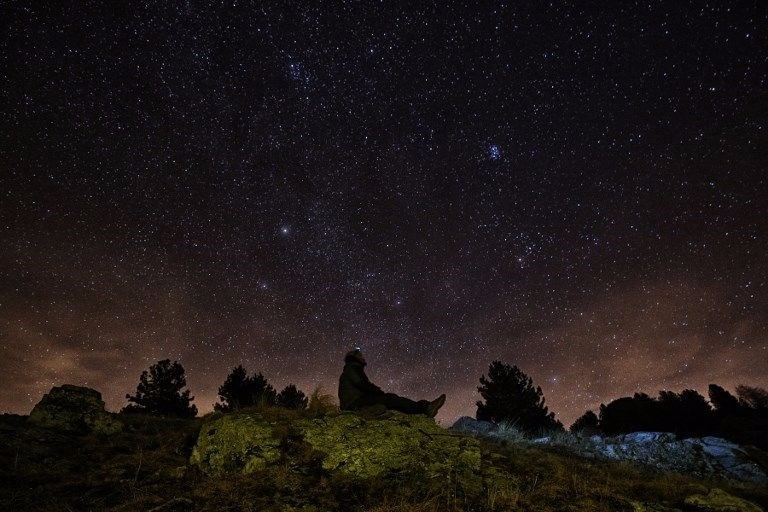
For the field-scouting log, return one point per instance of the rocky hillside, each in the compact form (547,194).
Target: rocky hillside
(71,455)
(708,457)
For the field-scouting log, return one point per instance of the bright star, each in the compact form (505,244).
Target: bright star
(494,152)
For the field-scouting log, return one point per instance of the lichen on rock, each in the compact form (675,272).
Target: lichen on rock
(235,443)
(347,443)
(371,447)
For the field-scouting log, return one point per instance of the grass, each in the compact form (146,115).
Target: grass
(145,466)
(548,480)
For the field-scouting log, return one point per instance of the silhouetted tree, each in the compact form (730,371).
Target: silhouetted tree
(585,423)
(723,402)
(686,413)
(240,391)
(743,420)
(159,392)
(752,397)
(234,390)
(628,414)
(695,413)
(510,396)
(291,398)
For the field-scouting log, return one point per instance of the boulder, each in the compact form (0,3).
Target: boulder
(718,500)
(236,443)
(471,425)
(348,443)
(74,409)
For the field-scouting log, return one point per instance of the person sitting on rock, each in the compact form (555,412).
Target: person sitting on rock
(356,391)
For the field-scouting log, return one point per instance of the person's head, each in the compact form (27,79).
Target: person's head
(354,355)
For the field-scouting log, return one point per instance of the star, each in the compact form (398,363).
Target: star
(290,181)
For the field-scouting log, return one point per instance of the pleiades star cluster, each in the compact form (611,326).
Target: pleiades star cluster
(577,188)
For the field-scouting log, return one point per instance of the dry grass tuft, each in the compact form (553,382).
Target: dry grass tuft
(321,403)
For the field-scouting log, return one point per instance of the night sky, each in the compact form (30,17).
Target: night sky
(577,188)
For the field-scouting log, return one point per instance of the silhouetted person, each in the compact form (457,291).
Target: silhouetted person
(356,391)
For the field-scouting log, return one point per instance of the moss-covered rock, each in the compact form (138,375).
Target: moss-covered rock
(718,500)
(74,409)
(348,444)
(369,448)
(236,443)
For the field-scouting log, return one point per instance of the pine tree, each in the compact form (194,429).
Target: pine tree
(753,397)
(291,398)
(159,392)
(723,402)
(234,390)
(585,423)
(510,396)
(240,391)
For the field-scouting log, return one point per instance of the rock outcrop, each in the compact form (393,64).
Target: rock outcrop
(236,443)
(348,443)
(74,409)
(473,426)
(704,456)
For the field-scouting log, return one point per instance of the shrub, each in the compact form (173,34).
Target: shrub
(291,398)
(239,390)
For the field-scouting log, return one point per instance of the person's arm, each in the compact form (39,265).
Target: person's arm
(361,382)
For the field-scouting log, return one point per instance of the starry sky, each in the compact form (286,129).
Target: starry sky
(577,188)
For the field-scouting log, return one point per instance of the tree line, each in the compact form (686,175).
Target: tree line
(509,395)
(161,392)
(742,418)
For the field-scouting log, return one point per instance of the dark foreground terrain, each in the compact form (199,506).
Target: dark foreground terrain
(147,467)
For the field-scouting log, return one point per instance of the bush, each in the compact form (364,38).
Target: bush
(321,404)
(291,398)
(239,390)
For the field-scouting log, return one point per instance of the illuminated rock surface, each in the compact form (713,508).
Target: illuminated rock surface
(348,443)
(281,460)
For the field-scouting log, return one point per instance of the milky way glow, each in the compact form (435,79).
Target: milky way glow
(445,186)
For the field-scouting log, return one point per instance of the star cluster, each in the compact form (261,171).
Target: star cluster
(578,190)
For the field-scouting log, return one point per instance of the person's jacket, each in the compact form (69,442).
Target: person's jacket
(354,384)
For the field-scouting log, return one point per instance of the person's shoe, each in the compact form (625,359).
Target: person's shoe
(435,406)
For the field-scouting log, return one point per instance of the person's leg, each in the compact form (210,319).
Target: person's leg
(402,404)
(394,402)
